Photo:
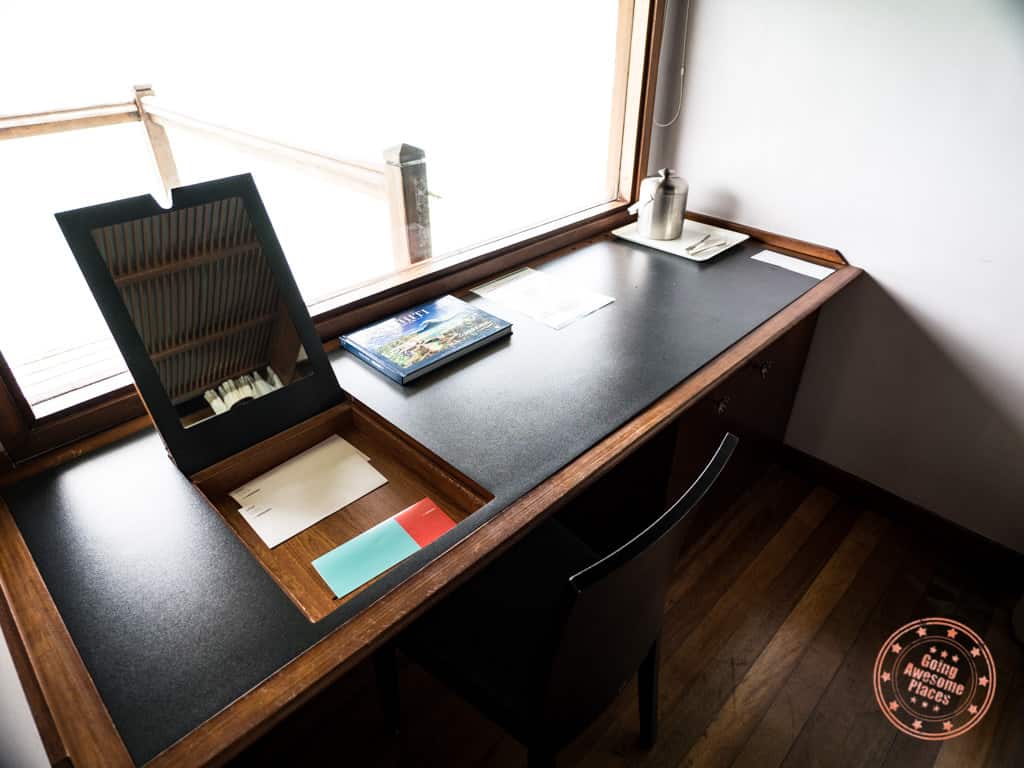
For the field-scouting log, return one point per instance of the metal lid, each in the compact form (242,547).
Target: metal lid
(670,183)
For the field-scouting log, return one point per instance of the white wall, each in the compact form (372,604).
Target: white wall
(894,131)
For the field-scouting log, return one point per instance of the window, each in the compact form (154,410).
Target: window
(527,113)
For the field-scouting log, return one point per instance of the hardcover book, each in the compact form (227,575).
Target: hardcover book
(426,337)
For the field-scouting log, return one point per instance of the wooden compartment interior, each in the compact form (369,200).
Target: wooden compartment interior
(412,473)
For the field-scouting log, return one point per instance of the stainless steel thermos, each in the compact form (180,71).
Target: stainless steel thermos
(662,205)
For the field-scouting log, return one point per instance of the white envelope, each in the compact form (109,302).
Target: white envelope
(305,489)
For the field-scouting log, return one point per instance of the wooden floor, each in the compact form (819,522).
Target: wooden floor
(775,616)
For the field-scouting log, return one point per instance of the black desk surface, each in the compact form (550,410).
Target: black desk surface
(174,618)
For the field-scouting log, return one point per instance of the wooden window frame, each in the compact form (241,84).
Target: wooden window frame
(640,27)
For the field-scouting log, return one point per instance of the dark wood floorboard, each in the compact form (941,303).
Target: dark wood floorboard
(704,687)
(776,612)
(963,599)
(803,689)
(846,727)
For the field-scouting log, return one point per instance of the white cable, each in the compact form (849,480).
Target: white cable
(679,103)
(682,73)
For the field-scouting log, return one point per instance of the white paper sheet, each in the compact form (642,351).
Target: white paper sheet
(793,265)
(311,462)
(305,489)
(543,297)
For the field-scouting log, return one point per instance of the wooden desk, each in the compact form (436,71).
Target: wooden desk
(145,632)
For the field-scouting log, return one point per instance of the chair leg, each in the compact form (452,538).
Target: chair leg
(385,666)
(1018,620)
(647,684)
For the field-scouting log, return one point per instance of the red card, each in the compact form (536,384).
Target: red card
(424,521)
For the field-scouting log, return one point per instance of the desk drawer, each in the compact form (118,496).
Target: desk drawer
(755,402)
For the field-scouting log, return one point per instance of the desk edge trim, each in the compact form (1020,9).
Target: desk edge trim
(72,720)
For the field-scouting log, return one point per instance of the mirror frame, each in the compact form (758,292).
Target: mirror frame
(207,442)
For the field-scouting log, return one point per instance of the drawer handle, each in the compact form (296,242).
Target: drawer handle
(722,405)
(763,367)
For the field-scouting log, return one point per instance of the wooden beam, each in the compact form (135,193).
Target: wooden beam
(188,262)
(652,54)
(55,121)
(158,143)
(632,125)
(367,174)
(617,140)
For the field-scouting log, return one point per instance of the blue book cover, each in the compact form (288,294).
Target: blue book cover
(421,339)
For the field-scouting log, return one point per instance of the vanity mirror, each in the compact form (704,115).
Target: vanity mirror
(206,312)
(201,295)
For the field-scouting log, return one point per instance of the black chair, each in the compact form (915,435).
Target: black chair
(544,639)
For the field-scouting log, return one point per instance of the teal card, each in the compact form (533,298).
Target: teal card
(365,557)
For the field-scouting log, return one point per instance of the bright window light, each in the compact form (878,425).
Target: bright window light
(513,104)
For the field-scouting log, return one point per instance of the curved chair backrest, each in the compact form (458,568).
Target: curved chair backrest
(613,611)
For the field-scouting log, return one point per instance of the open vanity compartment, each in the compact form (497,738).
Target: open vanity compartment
(199,296)
(412,473)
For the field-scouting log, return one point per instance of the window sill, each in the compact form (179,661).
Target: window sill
(420,282)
